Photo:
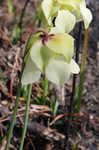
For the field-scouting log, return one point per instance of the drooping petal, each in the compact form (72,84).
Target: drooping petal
(47,6)
(86,15)
(31,73)
(77,8)
(36,55)
(71,5)
(65,21)
(62,44)
(74,67)
(58,71)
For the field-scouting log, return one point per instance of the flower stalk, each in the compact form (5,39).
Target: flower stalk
(26,115)
(82,71)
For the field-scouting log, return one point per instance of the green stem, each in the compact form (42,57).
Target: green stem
(82,71)
(26,116)
(45,87)
(72,99)
(10,6)
(17,31)
(78,43)
(10,132)
(23,13)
